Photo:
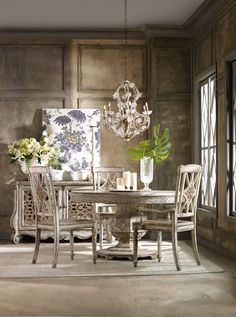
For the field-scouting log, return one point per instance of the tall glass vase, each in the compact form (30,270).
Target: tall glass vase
(146,172)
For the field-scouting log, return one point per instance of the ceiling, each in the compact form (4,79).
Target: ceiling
(94,14)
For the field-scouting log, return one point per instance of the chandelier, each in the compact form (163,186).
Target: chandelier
(127,122)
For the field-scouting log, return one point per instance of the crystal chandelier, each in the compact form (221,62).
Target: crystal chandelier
(127,122)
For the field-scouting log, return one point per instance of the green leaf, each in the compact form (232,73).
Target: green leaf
(158,147)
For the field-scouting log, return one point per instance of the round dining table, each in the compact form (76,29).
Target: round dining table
(126,213)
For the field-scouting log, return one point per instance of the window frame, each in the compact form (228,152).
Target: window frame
(208,147)
(229,131)
(196,124)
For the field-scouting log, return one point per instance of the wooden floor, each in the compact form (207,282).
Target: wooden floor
(211,294)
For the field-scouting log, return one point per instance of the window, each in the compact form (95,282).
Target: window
(208,142)
(231,137)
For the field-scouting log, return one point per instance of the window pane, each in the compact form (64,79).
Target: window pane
(208,142)
(204,124)
(204,191)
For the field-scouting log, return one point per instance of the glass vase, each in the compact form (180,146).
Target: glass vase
(146,172)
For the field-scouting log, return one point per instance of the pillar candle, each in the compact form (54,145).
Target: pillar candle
(133,181)
(120,183)
(126,177)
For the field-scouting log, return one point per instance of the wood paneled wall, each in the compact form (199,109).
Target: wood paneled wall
(32,76)
(211,44)
(35,74)
(170,95)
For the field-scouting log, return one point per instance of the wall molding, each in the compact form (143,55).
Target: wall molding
(68,34)
(165,31)
(204,14)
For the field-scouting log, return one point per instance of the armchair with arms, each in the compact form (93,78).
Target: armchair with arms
(180,218)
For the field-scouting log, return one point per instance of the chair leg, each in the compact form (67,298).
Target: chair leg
(175,249)
(101,232)
(55,248)
(37,243)
(195,247)
(159,240)
(94,242)
(135,246)
(109,235)
(72,245)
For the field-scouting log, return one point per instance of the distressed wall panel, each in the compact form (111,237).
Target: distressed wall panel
(170,91)
(175,116)
(31,67)
(203,53)
(173,70)
(102,67)
(225,37)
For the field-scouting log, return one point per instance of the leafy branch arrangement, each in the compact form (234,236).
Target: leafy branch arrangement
(158,147)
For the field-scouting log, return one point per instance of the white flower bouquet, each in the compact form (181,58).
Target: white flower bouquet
(28,149)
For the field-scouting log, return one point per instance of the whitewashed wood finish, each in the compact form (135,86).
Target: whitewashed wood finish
(126,214)
(47,214)
(23,216)
(125,196)
(104,178)
(181,218)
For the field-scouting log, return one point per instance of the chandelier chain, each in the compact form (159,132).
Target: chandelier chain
(126,37)
(127,122)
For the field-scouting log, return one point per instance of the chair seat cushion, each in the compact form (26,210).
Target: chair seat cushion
(67,224)
(164,224)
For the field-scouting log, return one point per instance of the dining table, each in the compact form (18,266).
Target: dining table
(127,203)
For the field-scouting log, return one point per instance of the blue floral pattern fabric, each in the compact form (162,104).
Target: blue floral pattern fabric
(70,131)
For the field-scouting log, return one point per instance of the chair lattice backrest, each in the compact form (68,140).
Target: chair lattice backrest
(104,178)
(43,195)
(187,189)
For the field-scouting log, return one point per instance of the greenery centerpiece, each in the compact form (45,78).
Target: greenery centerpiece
(154,150)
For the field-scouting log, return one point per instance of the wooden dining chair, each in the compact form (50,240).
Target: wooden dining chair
(48,214)
(181,217)
(104,179)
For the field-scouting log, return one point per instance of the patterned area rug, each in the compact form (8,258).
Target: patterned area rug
(15,262)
